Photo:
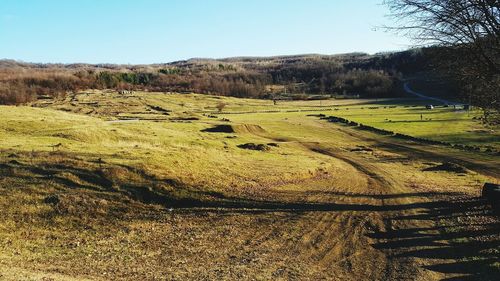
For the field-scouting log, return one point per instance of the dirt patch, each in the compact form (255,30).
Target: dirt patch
(77,204)
(184,118)
(220,129)
(160,109)
(52,200)
(281,139)
(240,128)
(255,146)
(15,162)
(448,167)
(248,128)
(361,149)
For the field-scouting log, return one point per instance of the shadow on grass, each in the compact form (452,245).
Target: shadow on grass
(466,242)
(465,232)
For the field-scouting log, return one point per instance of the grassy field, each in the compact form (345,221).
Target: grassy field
(156,186)
(407,116)
(441,123)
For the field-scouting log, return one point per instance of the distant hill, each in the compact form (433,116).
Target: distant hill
(295,76)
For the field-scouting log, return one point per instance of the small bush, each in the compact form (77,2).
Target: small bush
(254,146)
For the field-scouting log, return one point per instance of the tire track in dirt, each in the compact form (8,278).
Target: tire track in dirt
(340,240)
(418,151)
(355,257)
(337,242)
(399,264)
(331,243)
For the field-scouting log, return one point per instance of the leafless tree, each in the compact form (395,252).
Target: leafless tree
(468,29)
(220,106)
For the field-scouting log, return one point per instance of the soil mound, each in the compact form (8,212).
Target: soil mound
(239,128)
(220,129)
(254,146)
(448,167)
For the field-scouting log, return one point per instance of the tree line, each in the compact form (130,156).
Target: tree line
(21,83)
(465,36)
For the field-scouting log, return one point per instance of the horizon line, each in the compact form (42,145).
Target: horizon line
(207,58)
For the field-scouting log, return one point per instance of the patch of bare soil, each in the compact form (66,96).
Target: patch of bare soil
(220,129)
(361,149)
(238,128)
(448,167)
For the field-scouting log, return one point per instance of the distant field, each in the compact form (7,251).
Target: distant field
(407,116)
(441,123)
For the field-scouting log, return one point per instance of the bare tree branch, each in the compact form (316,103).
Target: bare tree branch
(469,29)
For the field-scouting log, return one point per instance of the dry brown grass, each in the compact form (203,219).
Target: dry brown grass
(156,201)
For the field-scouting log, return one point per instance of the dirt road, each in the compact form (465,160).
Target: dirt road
(376,218)
(407,89)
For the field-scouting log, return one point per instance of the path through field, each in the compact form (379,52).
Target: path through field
(376,218)
(407,89)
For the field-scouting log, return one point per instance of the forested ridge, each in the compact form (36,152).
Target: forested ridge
(298,77)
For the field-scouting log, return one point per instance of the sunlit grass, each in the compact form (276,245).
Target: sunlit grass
(99,165)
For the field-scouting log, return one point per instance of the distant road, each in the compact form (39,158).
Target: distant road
(410,91)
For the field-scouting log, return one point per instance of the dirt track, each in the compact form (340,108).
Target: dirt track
(380,227)
(364,223)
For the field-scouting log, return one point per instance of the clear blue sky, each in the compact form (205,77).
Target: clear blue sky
(154,31)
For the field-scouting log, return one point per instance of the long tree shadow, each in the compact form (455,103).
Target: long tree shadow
(465,239)
(151,190)
(465,235)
